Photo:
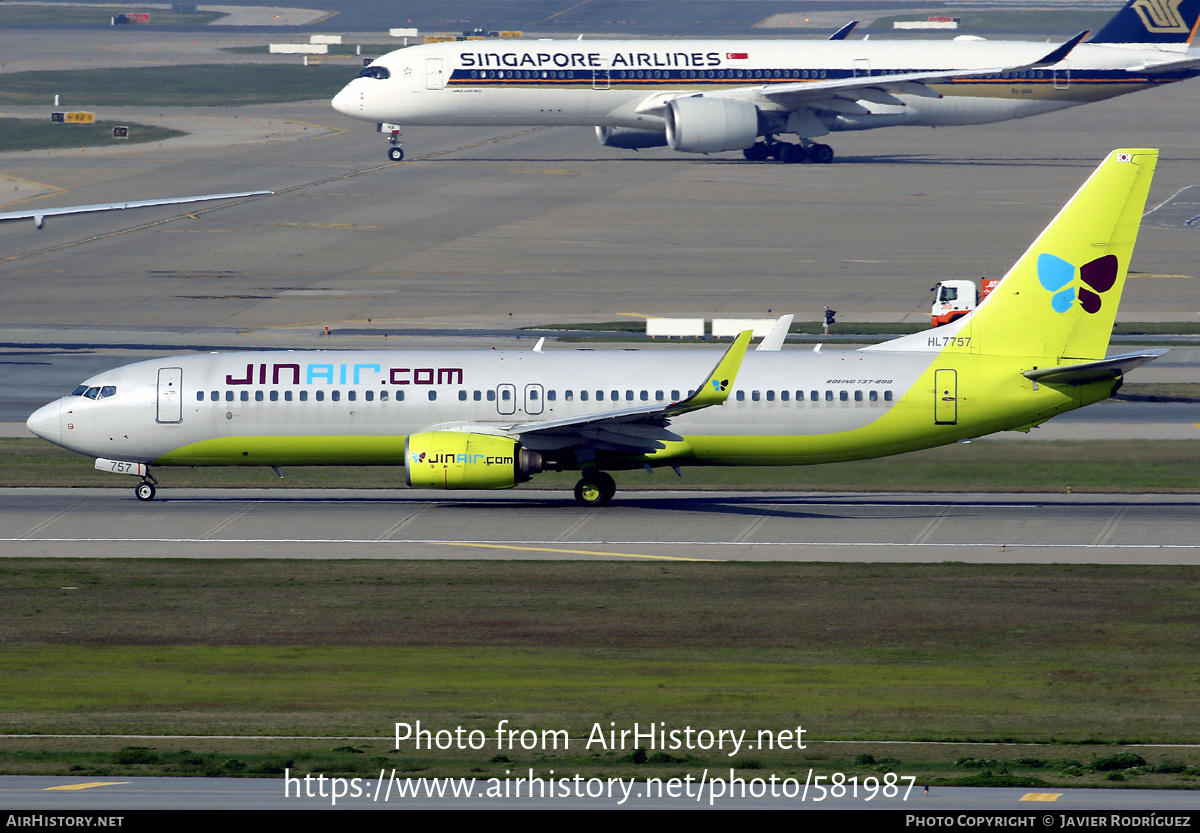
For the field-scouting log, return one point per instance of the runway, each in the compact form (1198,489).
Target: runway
(536,525)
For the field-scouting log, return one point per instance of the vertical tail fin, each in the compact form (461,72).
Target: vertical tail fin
(1060,299)
(1152,21)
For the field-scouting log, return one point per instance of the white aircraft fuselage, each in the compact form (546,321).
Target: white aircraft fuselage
(708,96)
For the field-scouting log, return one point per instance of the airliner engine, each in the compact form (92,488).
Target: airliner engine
(460,460)
(711,125)
(630,138)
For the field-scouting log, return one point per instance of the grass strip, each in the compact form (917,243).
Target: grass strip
(1066,655)
(39,134)
(60,14)
(988,465)
(199,85)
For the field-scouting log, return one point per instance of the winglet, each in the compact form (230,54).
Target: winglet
(774,339)
(1062,51)
(842,33)
(719,384)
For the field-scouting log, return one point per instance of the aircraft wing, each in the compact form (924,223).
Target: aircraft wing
(39,215)
(1152,68)
(881,89)
(635,430)
(1078,374)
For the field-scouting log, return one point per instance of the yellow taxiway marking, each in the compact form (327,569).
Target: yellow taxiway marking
(86,786)
(635,314)
(569,552)
(1041,797)
(1156,275)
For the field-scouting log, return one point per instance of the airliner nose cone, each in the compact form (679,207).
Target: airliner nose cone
(45,422)
(341,102)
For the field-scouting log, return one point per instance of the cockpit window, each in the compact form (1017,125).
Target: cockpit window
(378,72)
(79,391)
(107,391)
(92,392)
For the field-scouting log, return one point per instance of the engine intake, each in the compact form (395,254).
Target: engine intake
(711,125)
(460,460)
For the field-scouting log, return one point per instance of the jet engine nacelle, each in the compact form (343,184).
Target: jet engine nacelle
(460,460)
(630,138)
(710,125)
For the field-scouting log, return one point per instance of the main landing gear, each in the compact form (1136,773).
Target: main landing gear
(145,489)
(789,153)
(595,488)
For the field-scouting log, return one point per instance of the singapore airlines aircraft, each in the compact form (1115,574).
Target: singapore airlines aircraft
(1034,348)
(712,96)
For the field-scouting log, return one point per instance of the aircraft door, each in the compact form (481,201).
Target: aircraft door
(945,397)
(170,394)
(1062,79)
(862,67)
(506,399)
(533,399)
(600,79)
(435,74)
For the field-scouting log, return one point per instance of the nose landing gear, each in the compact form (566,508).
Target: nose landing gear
(395,152)
(145,490)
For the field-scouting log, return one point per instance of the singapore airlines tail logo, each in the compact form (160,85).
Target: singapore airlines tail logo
(1161,16)
(1058,276)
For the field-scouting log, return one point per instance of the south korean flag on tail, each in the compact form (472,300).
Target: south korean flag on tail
(1124,157)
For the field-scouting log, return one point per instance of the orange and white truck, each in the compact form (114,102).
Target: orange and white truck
(954,299)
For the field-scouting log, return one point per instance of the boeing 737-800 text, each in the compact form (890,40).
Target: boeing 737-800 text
(712,96)
(460,419)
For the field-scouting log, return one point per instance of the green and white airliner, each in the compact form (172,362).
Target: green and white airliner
(458,419)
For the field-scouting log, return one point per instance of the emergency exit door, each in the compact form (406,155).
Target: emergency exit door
(945,397)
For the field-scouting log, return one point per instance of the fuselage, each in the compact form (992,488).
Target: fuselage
(613,83)
(326,408)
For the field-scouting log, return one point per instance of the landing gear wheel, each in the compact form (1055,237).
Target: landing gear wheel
(396,154)
(792,154)
(820,154)
(144,491)
(595,488)
(757,152)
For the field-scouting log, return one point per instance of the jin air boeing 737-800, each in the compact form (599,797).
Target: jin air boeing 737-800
(712,96)
(459,419)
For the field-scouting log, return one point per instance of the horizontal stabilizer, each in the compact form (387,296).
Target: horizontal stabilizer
(1078,374)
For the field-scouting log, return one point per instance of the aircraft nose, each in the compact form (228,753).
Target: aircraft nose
(46,422)
(344,101)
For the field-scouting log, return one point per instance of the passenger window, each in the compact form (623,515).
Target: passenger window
(828,396)
(783,395)
(844,396)
(674,396)
(858,396)
(478,396)
(874,395)
(274,396)
(645,396)
(506,394)
(616,395)
(383,396)
(741,396)
(352,395)
(303,396)
(887,396)
(432,395)
(336,395)
(199,396)
(550,395)
(287,396)
(491,396)
(462,396)
(370,396)
(569,395)
(245,396)
(214,396)
(320,396)
(755,396)
(228,396)
(659,396)
(599,396)
(258,396)
(583,396)
(813,395)
(400,396)
(770,396)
